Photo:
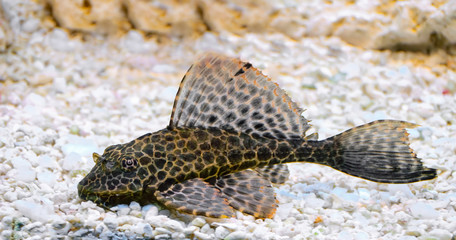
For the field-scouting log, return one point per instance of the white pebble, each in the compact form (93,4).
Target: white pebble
(152,212)
(190,230)
(173,225)
(162,237)
(364,193)
(198,222)
(47,177)
(207,229)
(360,218)
(314,202)
(400,188)
(139,228)
(425,110)
(221,232)
(362,236)
(72,161)
(231,226)
(351,69)
(441,234)
(45,161)
(36,212)
(345,235)
(59,40)
(238,235)
(110,220)
(135,206)
(148,231)
(79,145)
(342,193)
(35,100)
(59,84)
(10,196)
(6,234)
(122,210)
(160,230)
(283,211)
(134,42)
(203,236)
(23,170)
(423,211)
(30,25)
(93,215)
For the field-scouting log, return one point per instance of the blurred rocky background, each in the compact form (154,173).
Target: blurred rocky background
(384,24)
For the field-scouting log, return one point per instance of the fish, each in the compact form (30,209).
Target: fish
(232,131)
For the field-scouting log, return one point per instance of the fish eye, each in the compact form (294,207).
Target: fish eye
(129,163)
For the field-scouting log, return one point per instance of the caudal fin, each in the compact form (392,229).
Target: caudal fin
(379,151)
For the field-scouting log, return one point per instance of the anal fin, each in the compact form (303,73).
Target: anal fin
(277,174)
(248,192)
(196,197)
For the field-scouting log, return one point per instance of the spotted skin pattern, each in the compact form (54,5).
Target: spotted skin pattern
(230,134)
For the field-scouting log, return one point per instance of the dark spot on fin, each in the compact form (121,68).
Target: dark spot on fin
(247,66)
(241,71)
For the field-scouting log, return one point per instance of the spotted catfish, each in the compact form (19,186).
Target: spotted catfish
(231,131)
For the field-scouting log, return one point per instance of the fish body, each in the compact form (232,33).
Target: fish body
(231,133)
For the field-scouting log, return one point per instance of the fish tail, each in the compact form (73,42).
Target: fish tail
(378,151)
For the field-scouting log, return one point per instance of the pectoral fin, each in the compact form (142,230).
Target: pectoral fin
(196,197)
(249,193)
(277,174)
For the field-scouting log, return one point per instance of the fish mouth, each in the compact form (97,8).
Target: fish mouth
(106,198)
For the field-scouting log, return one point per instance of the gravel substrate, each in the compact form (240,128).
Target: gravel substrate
(66,95)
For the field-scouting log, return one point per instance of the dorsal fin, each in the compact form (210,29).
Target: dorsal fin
(223,92)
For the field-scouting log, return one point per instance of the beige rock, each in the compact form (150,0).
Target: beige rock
(105,16)
(357,32)
(108,15)
(72,14)
(408,28)
(169,17)
(237,16)
(6,35)
(288,21)
(257,16)
(404,25)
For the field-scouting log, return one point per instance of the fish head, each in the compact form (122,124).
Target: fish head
(114,179)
